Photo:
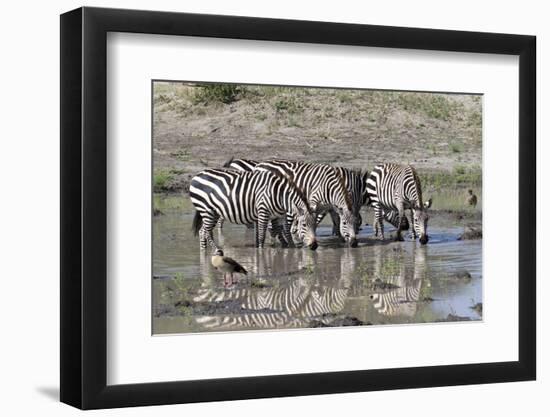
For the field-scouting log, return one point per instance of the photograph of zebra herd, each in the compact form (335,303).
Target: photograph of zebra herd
(295,207)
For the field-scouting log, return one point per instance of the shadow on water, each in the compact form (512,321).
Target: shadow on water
(377,283)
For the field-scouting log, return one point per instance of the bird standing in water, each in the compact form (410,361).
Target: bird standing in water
(472,198)
(228,266)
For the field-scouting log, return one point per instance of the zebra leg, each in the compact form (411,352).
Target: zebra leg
(263,220)
(205,233)
(378,222)
(401,213)
(277,231)
(335,223)
(287,230)
(220,223)
(412,224)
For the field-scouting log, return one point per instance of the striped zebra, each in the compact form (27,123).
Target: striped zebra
(324,188)
(352,182)
(397,187)
(355,181)
(241,164)
(247,197)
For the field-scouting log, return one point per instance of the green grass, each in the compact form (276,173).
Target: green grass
(435,106)
(461,177)
(216,93)
(161,180)
(455,147)
(309,269)
(288,104)
(390,267)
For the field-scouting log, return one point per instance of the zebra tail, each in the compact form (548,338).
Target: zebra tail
(197,223)
(227,163)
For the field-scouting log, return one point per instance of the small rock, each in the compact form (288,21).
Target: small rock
(453,317)
(478,308)
(462,275)
(471,232)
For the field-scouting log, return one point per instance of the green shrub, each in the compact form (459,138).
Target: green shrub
(161,180)
(216,93)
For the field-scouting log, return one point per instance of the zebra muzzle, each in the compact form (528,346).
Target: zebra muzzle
(424,239)
(353,243)
(314,245)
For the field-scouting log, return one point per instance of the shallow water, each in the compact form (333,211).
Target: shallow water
(376,283)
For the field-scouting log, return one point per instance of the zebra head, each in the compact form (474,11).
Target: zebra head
(304,226)
(421,217)
(348,219)
(348,226)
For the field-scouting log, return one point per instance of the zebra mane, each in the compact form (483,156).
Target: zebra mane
(293,185)
(418,185)
(227,163)
(343,188)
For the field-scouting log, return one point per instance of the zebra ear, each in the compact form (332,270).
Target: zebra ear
(428,203)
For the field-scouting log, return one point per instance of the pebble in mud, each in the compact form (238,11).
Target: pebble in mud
(478,308)
(471,232)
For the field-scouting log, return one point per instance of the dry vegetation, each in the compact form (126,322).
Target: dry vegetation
(203,126)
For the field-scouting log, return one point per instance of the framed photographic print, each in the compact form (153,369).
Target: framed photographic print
(257,207)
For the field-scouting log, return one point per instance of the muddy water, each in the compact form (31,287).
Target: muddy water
(374,284)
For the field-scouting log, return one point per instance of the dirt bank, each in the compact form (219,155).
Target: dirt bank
(440,134)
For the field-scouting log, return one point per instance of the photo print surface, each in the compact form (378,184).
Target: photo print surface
(278,207)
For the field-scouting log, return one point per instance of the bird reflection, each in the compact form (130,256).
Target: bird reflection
(290,288)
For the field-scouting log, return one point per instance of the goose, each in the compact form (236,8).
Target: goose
(226,265)
(472,198)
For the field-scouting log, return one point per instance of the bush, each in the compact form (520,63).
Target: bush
(216,93)
(161,180)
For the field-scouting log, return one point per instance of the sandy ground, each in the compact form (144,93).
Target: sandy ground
(352,128)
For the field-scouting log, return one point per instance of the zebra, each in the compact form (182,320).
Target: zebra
(355,181)
(241,164)
(397,187)
(247,197)
(324,188)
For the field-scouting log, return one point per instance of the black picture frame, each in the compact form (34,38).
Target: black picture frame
(84,207)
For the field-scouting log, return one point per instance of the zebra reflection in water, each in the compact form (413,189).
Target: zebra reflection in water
(280,297)
(404,280)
